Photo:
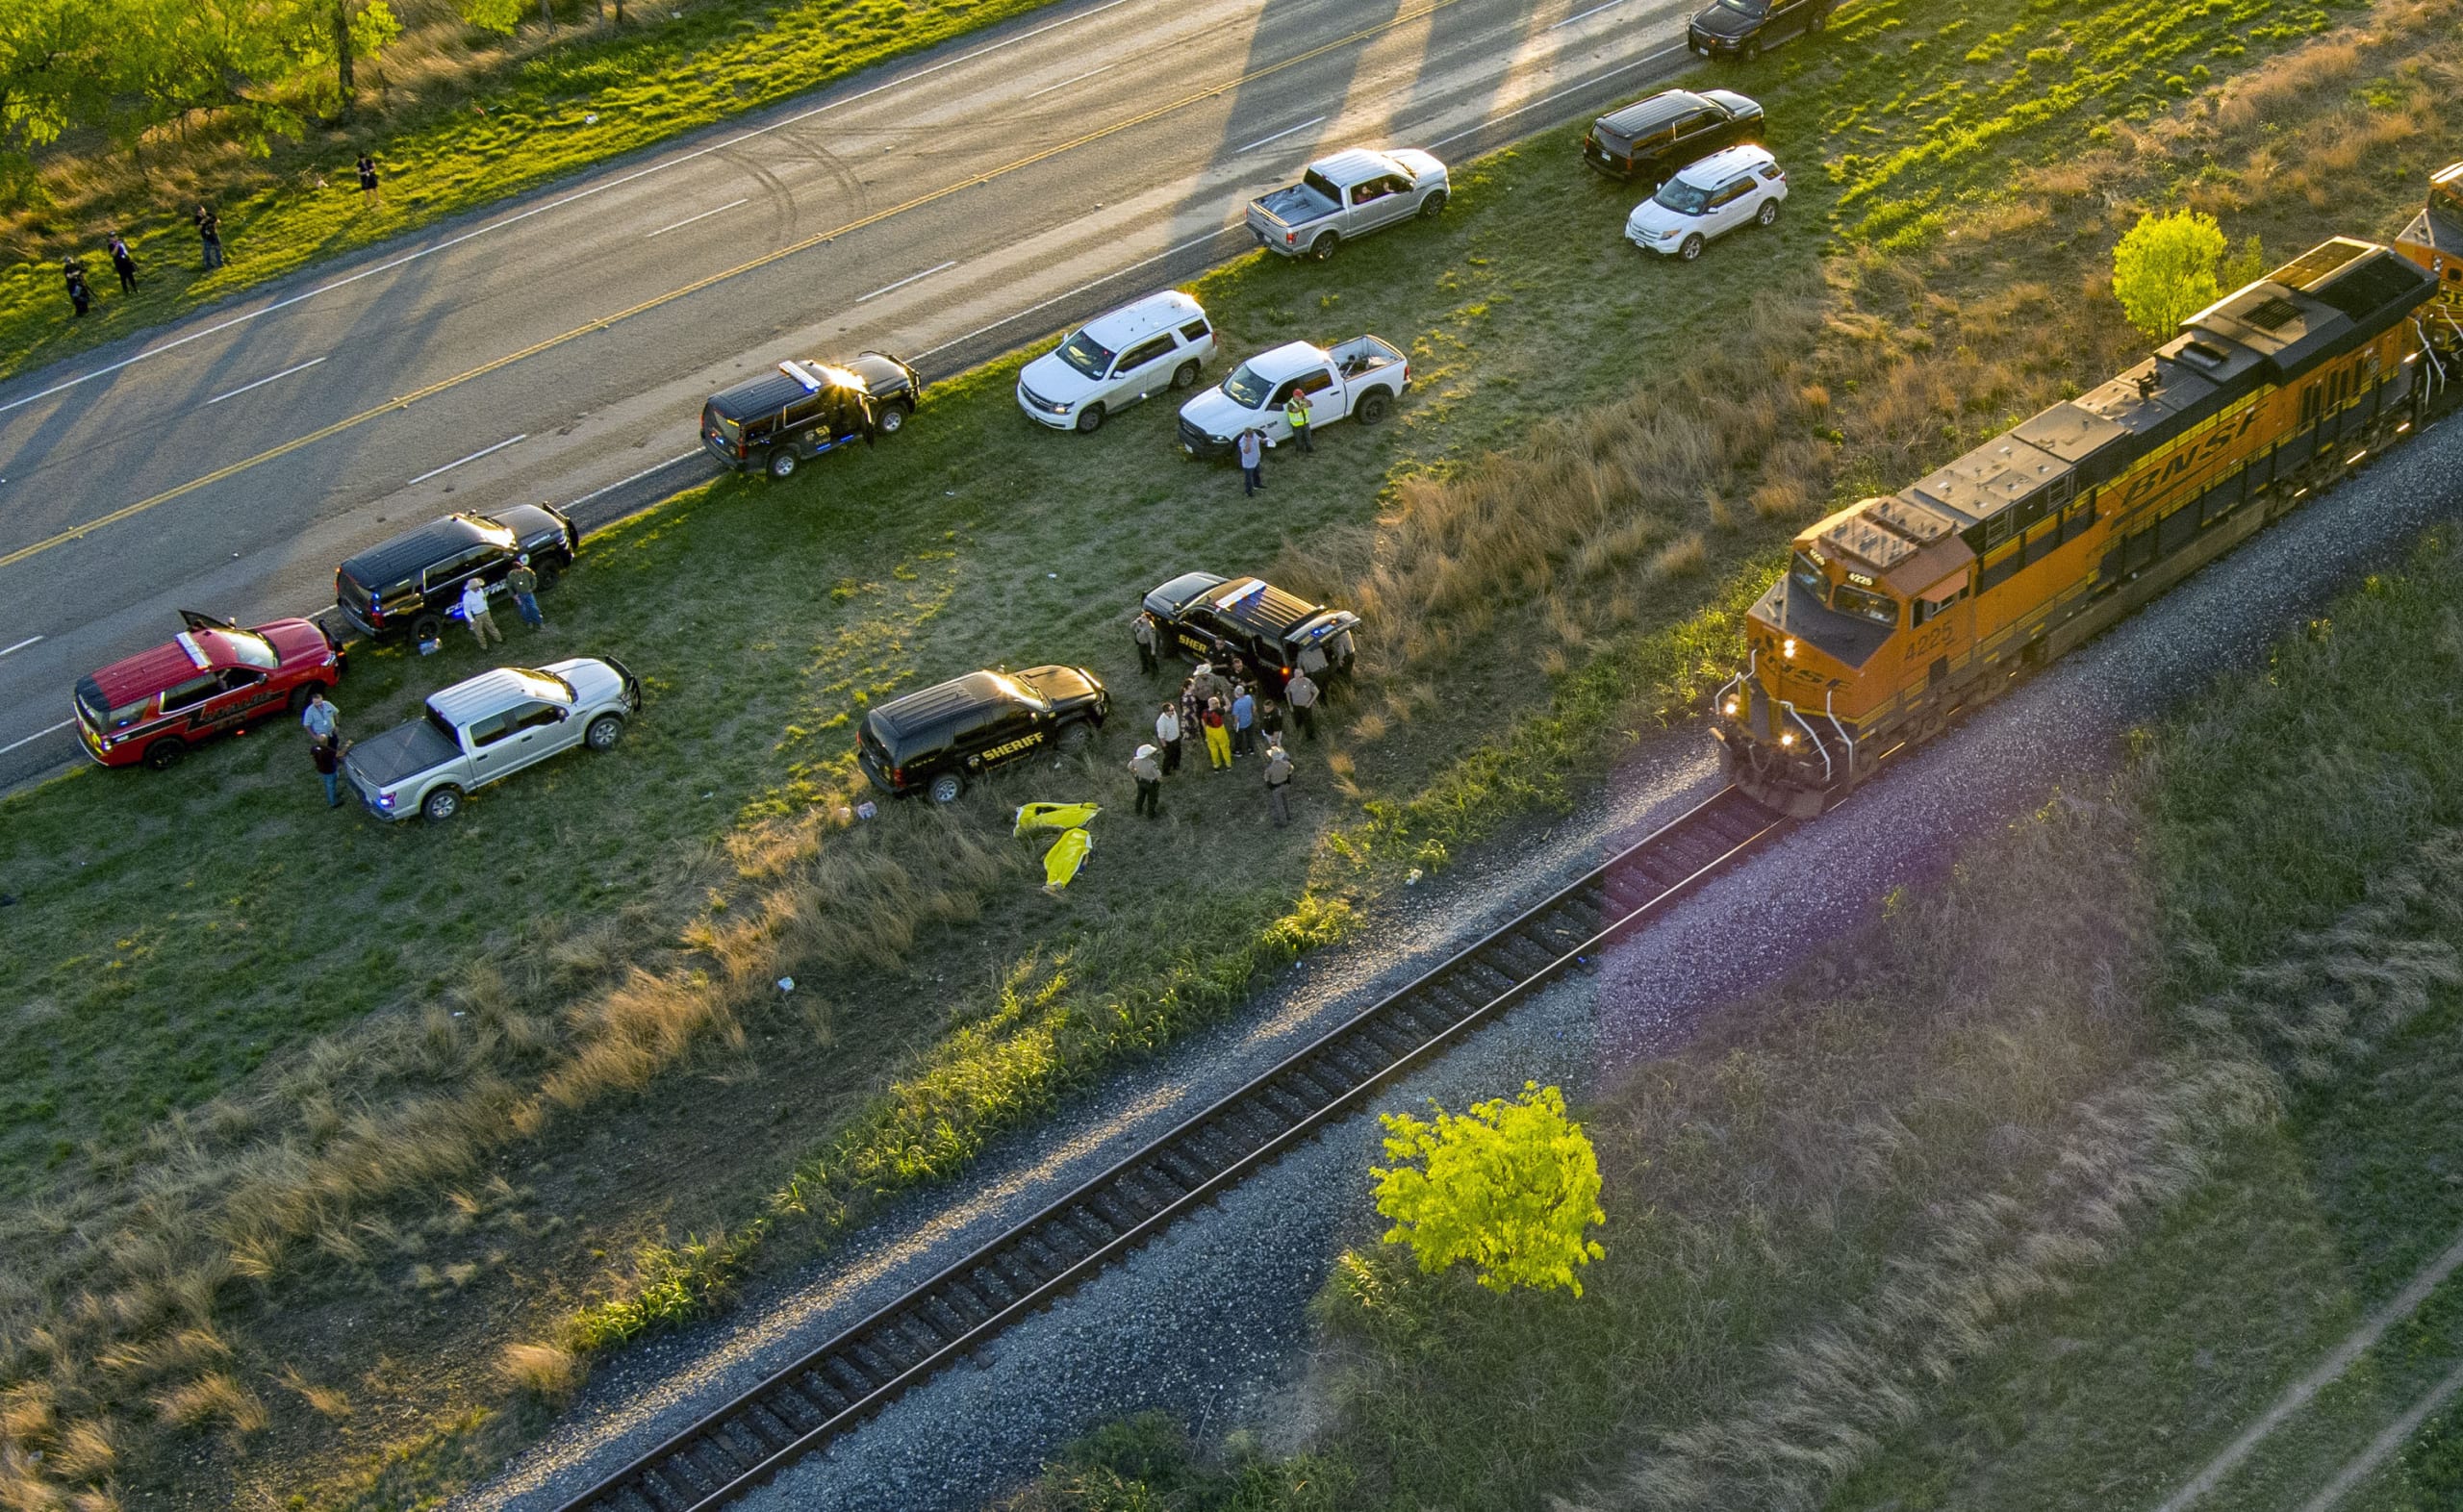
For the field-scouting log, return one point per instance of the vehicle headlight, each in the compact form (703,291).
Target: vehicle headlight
(385,799)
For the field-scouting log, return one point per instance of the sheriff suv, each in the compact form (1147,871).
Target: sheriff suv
(1743,28)
(209,679)
(1651,139)
(937,740)
(413,583)
(1210,619)
(803,410)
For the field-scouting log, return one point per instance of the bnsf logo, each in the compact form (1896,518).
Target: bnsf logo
(1014,748)
(2189,458)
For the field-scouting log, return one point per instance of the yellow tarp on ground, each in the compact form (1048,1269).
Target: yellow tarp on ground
(1067,854)
(1054,816)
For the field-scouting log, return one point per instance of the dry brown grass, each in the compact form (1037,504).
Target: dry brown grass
(547,1372)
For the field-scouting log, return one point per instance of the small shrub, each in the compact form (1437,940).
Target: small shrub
(547,1372)
(2164,270)
(1510,1187)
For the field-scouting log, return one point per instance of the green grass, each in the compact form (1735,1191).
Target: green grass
(941,995)
(650,80)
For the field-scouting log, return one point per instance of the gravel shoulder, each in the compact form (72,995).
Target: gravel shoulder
(1210,1322)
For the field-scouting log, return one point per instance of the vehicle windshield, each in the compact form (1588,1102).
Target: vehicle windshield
(1681,197)
(1878,608)
(250,649)
(441,724)
(1248,387)
(1023,694)
(544,684)
(1807,576)
(714,420)
(1087,355)
(1756,8)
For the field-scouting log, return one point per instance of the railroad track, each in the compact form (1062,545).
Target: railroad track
(957,1312)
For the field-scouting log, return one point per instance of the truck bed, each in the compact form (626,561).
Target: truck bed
(1362,354)
(1295,206)
(403,751)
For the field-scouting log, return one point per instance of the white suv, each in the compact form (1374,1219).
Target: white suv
(1117,359)
(1707,199)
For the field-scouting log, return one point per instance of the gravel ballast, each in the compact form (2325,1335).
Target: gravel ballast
(1209,1322)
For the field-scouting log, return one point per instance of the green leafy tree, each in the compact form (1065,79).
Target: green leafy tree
(493,15)
(1512,1187)
(2163,269)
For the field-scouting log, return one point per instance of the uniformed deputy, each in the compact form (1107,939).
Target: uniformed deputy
(1150,782)
(1302,694)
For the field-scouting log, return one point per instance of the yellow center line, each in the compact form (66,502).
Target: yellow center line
(405,401)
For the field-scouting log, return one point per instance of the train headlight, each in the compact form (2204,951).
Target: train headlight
(1787,648)
(1787,737)
(1728,707)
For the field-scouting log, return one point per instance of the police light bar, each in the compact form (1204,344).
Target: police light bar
(804,375)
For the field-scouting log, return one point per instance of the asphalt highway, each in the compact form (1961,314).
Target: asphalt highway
(558,348)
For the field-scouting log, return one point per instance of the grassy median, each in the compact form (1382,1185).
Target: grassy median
(440,1088)
(473,118)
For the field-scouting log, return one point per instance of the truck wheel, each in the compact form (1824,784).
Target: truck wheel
(547,572)
(603,733)
(1374,405)
(1768,214)
(1090,419)
(1324,246)
(1752,48)
(428,627)
(166,753)
(1820,22)
(1691,249)
(1186,375)
(947,787)
(1433,206)
(782,462)
(441,804)
(894,417)
(1073,737)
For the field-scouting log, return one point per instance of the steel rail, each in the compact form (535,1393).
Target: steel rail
(954,1314)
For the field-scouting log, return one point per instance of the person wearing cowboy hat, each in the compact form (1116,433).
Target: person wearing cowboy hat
(1150,782)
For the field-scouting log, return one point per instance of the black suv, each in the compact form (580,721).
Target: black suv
(1210,619)
(1651,139)
(413,583)
(801,410)
(1743,28)
(937,740)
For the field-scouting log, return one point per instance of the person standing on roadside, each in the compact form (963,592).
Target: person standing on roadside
(1270,720)
(1167,737)
(123,262)
(474,612)
(1253,460)
(1218,737)
(73,273)
(1302,694)
(1150,783)
(1192,707)
(1277,781)
(1143,631)
(368,191)
(524,585)
(320,719)
(1244,722)
(1297,412)
(327,751)
(209,234)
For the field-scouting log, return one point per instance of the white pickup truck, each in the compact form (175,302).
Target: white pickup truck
(489,727)
(1358,380)
(1347,195)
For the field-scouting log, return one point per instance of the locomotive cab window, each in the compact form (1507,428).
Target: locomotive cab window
(1863,604)
(1807,576)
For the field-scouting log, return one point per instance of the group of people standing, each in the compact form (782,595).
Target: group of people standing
(1226,710)
(1252,445)
(523,583)
(209,235)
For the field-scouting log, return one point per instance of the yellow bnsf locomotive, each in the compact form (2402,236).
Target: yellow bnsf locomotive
(1899,612)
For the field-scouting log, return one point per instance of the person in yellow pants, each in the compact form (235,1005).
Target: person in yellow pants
(1218,737)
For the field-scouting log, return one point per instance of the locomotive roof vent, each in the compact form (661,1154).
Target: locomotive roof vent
(2205,356)
(1860,537)
(1910,519)
(2271,313)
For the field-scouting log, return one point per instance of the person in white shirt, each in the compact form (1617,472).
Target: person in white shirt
(474,612)
(1167,737)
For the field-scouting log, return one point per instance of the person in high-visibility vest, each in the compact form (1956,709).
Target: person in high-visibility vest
(1297,413)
